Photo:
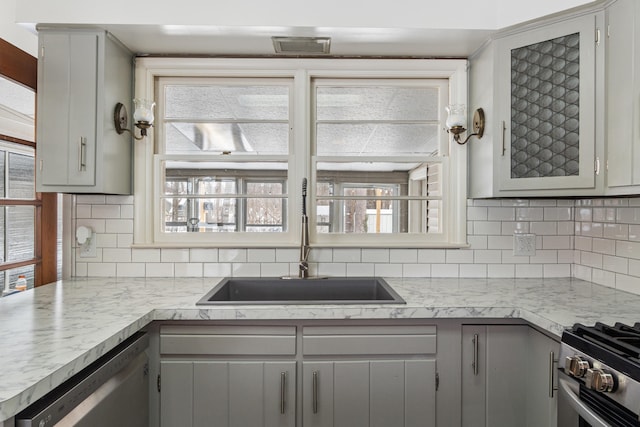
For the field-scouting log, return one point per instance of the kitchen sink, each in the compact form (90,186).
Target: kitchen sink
(274,290)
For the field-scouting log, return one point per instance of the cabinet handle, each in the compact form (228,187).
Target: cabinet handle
(283,387)
(315,392)
(552,374)
(504,131)
(82,163)
(475,341)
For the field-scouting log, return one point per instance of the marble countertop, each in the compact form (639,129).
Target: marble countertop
(50,333)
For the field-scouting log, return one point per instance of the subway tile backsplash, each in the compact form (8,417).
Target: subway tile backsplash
(592,239)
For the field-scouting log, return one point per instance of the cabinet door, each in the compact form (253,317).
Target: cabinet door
(228,394)
(541,380)
(547,96)
(369,393)
(67,108)
(176,395)
(493,375)
(623,94)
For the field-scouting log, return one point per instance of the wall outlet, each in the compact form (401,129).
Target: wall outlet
(524,244)
(88,248)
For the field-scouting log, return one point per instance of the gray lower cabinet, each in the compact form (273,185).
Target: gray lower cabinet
(507,376)
(298,374)
(228,393)
(369,393)
(227,376)
(542,380)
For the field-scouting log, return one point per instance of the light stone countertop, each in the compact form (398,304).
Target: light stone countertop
(50,333)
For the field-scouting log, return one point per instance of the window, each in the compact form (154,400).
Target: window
(234,139)
(377,156)
(224,147)
(28,237)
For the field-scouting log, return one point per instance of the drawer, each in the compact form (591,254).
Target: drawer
(228,340)
(368,340)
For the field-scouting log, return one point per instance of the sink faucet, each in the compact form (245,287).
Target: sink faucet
(303,265)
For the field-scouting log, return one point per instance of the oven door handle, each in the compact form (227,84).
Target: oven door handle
(571,392)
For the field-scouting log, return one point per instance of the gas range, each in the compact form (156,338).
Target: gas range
(603,364)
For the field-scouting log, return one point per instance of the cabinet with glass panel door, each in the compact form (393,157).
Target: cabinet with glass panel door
(545,110)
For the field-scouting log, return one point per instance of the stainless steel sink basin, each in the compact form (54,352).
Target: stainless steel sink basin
(273,290)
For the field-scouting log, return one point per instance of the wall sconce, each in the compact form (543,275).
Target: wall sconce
(142,116)
(457,119)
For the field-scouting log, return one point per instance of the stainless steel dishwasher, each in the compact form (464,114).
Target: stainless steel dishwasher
(112,391)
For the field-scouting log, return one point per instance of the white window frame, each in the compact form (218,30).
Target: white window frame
(147,207)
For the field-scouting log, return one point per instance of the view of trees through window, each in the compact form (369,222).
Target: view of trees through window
(210,204)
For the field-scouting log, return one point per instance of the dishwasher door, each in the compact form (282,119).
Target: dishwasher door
(114,391)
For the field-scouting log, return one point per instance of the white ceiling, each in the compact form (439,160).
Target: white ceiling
(423,28)
(212,40)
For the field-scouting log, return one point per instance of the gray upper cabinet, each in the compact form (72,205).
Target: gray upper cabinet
(623,97)
(544,111)
(547,104)
(82,74)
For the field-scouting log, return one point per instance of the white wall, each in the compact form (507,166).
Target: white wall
(17,35)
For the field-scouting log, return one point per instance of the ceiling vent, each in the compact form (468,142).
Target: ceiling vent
(301,45)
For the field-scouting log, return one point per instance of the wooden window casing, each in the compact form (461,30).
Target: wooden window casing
(22,68)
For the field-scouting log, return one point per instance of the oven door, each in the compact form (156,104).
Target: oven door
(572,412)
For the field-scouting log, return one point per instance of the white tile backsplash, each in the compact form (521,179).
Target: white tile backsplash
(105,211)
(363,269)
(591,239)
(375,255)
(131,269)
(145,255)
(174,255)
(261,255)
(119,225)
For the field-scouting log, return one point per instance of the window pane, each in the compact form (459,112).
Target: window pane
(208,102)
(18,104)
(20,234)
(21,176)
(377,103)
(254,138)
(265,213)
(200,214)
(2,235)
(216,196)
(372,138)
(2,174)
(9,278)
(378,197)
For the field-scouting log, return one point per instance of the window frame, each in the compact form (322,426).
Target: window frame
(302,70)
(22,68)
